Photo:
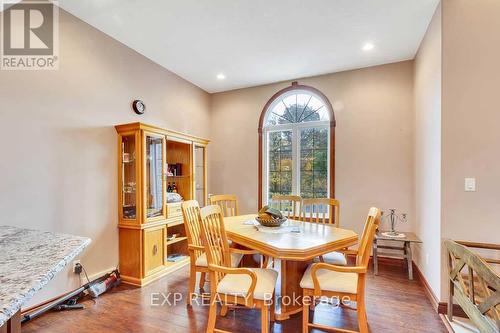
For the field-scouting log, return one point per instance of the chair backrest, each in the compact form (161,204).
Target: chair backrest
(321,210)
(290,205)
(214,237)
(366,240)
(192,224)
(477,290)
(228,203)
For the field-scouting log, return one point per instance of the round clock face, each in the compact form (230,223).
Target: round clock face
(139,106)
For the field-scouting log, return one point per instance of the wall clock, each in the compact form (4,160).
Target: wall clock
(138,106)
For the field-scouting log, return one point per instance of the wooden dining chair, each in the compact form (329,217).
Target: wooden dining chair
(327,211)
(198,257)
(322,279)
(290,205)
(250,287)
(228,203)
(321,210)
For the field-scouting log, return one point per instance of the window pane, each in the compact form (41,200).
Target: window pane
(286,140)
(320,183)
(307,138)
(321,138)
(320,159)
(286,183)
(314,162)
(274,182)
(286,161)
(274,161)
(280,163)
(274,141)
(306,182)
(272,119)
(306,159)
(279,115)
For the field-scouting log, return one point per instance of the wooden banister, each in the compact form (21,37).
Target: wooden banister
(486,246)
(475,286)
(476,245)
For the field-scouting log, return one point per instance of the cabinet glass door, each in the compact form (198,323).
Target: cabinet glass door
(199,174)
(128,181)
(155,155)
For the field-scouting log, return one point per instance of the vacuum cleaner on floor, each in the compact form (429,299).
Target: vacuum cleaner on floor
(70,301)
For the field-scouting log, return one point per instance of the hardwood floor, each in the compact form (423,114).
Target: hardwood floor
(394,304)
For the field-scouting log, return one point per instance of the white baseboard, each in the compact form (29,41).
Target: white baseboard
(99,274)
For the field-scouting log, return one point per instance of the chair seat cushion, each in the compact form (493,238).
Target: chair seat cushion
(235,260)
(331,281)
(238,284)
(334,258)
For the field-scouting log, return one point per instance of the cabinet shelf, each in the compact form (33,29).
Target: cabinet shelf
(173,224)
(176,240)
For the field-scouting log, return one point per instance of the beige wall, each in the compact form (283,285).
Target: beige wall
(470,120)
(428,154)
(396,145)
(374,140)
(58,162)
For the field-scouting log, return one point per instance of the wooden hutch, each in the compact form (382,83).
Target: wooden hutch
(149,159)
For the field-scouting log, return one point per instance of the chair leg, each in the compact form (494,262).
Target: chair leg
(362,320)
(192,283)
(312,304)
(212,314)
(264,261)
(203,277)
(273,308)
(223,310)
(305,316)
(264,311)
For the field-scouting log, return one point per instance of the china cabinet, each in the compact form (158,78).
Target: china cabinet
(158,168)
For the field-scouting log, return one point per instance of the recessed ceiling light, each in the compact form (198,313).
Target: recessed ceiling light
(221,76)
(368,46)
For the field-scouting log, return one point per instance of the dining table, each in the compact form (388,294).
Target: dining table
(292,246)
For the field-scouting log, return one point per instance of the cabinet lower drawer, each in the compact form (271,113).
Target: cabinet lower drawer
(174,210)
(154,249)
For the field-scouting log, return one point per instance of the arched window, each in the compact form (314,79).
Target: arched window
(296,145)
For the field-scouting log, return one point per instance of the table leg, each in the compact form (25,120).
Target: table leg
(288,290)
(409,260)
(405,255)
(375,258)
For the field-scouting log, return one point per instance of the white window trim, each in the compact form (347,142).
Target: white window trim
(295,128)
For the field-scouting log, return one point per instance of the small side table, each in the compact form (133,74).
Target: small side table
(406,241)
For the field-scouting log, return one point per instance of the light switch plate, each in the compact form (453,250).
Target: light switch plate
(470,184)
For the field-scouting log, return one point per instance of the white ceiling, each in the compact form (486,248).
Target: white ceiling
(255,42)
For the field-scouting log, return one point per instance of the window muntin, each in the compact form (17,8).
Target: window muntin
(296,107)
(296,146)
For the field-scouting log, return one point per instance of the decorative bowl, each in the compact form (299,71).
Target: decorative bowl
(273,223)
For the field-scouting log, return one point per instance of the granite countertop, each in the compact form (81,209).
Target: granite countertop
(29,259)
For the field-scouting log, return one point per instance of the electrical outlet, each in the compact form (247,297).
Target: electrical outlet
(76,262)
